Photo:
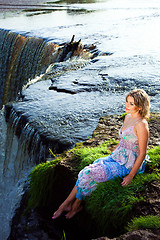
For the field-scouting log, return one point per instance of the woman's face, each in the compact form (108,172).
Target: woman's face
(130,106)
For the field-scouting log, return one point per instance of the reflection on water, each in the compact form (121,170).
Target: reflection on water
(128,29)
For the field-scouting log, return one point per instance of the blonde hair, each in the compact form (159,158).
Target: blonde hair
(141,100)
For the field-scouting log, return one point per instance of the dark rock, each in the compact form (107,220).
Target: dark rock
(61,90)
(108,127)
(136,235)
(37,224)
(141,235)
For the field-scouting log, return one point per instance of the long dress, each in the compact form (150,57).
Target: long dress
(118,164)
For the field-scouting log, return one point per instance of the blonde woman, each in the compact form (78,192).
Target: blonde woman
(125,161)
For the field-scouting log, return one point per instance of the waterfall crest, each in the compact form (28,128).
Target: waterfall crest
(22,146)
(21,58)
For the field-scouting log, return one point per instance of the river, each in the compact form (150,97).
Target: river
(126,36)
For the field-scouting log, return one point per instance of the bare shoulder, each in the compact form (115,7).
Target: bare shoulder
(142,127)
(142,124)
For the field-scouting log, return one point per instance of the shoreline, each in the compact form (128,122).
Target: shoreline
(20,5)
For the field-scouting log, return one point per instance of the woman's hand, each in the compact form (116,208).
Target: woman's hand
(126,180)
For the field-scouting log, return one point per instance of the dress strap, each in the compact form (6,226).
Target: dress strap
(137,122)
(120,131)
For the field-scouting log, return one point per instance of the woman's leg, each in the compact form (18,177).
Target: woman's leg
(67,204)
(76,207)
(86,183)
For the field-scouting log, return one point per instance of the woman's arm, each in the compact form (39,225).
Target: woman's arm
(142,133)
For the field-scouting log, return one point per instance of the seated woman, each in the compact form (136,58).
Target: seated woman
(125,161)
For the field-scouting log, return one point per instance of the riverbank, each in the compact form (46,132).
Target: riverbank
(37,223)
(19,5)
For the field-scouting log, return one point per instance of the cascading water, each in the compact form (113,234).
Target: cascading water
(21,59)
(15,168)
(21,145)
(70,111)
(15,160)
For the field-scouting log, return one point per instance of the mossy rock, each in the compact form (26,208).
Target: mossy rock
(110,207)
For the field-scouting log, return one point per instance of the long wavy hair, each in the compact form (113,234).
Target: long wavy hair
(141,100)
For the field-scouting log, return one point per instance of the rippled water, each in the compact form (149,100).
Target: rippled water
(126,34)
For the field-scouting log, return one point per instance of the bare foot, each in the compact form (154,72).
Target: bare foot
(64,207)
(76,207)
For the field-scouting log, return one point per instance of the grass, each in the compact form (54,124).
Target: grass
(41,183)
(144,222)
(41,177)
(64,236)
(87,155)
(154,154)
(110,205)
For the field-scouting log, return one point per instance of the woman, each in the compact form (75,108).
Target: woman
(125,161)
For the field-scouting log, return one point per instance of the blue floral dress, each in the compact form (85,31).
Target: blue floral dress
(118,164)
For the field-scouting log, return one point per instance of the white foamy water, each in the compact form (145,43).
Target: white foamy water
(12,177)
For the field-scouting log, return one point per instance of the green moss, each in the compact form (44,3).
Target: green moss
(144,222)
(110,204)
(154,116)
(41,177)
(87,155)
(154,154)
(122,116)
(41,183)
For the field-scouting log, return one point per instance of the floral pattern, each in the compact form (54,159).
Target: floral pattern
(127,151)
(100,170)
(119,163)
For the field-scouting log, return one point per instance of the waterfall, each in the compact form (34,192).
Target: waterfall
(22,58)
(11,179)
(21,148)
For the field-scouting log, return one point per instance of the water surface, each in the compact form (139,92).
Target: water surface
(126,36)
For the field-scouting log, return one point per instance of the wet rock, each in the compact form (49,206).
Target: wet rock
(108,127)
(37,224)
(61,90)
(13,54)
(136,235)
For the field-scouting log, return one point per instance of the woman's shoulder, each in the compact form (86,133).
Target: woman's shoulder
(142,122)
(142,125)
